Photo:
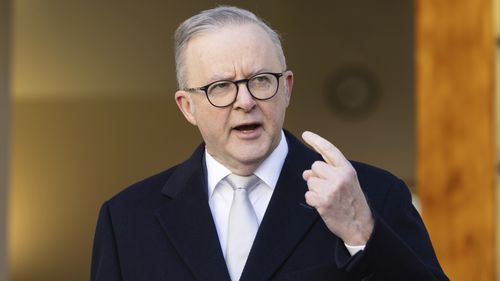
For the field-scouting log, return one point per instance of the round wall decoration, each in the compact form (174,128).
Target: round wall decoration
(352,93)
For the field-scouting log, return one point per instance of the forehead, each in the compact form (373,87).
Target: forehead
(230,52)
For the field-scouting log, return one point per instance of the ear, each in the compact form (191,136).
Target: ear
(186,106)
(288,85)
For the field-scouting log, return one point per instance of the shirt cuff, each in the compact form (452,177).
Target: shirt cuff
(354,249)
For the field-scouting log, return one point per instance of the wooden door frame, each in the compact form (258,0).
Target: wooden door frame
(455,133)
(4,130)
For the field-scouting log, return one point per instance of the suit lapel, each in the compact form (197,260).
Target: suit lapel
(188,223)
(287,217)
(187,220)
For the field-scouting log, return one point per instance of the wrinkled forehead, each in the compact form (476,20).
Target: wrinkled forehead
(234,50)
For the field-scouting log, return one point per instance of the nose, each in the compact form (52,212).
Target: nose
(244,99)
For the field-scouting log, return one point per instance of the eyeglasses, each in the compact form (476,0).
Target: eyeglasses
(222,93)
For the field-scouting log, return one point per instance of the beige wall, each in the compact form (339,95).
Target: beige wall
(89,49)
(69,156)
(4,131)
(93,106)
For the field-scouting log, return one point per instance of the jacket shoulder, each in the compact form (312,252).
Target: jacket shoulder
(151,190)
(143,189)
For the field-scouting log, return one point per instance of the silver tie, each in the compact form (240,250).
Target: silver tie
(242,226)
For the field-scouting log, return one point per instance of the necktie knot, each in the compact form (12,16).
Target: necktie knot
(240,182)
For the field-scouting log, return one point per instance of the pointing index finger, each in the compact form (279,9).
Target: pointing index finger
(328,151)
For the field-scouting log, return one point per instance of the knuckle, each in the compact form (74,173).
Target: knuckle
(316,165)
(310,199)
(351,173)
(344,179)
(312,182)
(331,196)
(308,195)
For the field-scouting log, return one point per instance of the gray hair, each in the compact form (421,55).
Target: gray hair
(213,19)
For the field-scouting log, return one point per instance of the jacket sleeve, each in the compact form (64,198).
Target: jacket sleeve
(105,264)
(399,247)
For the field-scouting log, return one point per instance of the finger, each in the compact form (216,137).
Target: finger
(307,174)
(319,185)
(324,170)
(312,199)
(328,151)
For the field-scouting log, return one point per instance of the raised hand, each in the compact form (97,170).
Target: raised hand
(335,192)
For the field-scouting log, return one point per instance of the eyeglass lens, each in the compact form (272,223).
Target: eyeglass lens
(262,86)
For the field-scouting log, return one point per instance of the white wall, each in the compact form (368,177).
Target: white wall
(4,131)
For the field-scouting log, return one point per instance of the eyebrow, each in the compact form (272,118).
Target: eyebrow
(218,77)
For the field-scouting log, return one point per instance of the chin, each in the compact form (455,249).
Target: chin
(253,156)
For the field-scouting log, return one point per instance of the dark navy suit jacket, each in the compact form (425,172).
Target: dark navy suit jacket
(162,229)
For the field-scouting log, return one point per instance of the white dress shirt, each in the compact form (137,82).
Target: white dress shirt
(220,193)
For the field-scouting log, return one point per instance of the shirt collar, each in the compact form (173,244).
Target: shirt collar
(268,171)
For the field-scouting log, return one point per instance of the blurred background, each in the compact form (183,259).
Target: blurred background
(87,108)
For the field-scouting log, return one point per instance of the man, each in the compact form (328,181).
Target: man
(252,202)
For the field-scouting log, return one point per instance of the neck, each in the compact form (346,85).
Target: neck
(241,169)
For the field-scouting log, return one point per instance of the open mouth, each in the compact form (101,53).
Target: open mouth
(247,127)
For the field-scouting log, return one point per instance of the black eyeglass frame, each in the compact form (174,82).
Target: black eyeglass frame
(277,75)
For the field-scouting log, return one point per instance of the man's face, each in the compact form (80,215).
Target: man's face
(242,135)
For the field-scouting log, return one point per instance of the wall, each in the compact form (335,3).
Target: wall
(81,49)
(93,110)
(4,131)
(68,158)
